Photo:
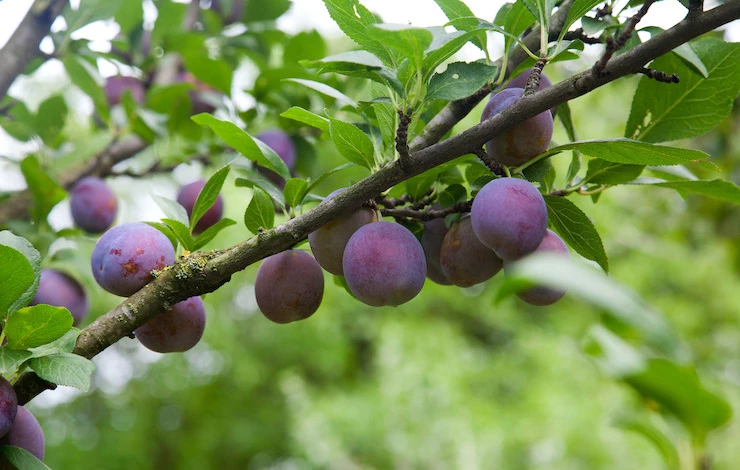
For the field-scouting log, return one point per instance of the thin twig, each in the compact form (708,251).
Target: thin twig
(613,45)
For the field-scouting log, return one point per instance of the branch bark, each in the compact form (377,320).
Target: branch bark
(200,273)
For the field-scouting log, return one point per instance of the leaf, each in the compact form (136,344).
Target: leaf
(181,232)
(460,80)
(354,19)
(576,229)
(517,20)
(445,44)
(50,118)
(21,458)
(46,192)
(541,9)
(251,147)
(172,209)
(350,57)
(82,77)
(166,231)
(34,326)
(324,89)
(662,112)
(684,51)
(457,10)
(299,114)
(256,179)
(603,172)
(89,12)
(260,213)
(719,189)
(295,190)
(314,183)
(265,11)
(594,287)
(577,11)
(633,152)
(65,344)
(662,443)
(11,360)
(406,40)
(352,143)
(16,277)
(33,258)
(64,369)
(305,45)
(209,233)
(208,195)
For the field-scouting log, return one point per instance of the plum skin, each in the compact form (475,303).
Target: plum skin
(466,261)
(539,295)
(25,433)
(125,255)
(116,86)
(280,142)
(175,330)
(384,264)
(58,289)
(522,142)
(289,286)
(188,195)
(93,205)
(431,241)
(8,406)
(329,241)
(509,216)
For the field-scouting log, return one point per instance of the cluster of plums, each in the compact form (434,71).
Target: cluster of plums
(18,427)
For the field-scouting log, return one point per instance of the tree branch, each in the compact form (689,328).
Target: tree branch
(23,45)
(200,273)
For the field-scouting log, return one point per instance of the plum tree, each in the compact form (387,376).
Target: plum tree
(466,261)
(175,330)
(93,205)
(188,195)
(522,142)
(328,242)
(384,264)
(8,406)
(25,433)
(124,257)
(117,85)
(431,241)
(509,216)
(59,289)
(520,81)
(540,295)
(289,286)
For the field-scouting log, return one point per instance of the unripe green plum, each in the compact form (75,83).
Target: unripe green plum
(328,242)
(539,295)
(509,216)
(465,260)
(175,330)
(384,264)
(522,142)
(289,286)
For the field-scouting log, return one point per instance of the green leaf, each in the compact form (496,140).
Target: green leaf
(363,58)
(166,231)
(251,147)
(305,45)
(33,258)
(208,195)
(445,44)
(678,390)
(22,459)
(16,277)
(11,360)
(89,12)
(64,369)
(541,9)
(352,143)
(256,179)
(129,15)
(299,114)
(81,75)
(317,181)
(641,425)
(209,233)
(406,40)
(295,190)
(719,189)
(260,213)
(633,152)
(34,326)
(460,80)
(50,119)
(577,11)
(603,172)
(662,112)
(354,19)
(181,232)
(576,229)
(594,287)
(214,72)
(324,89)
(684,51)
(172,209)
(466,20)
(517,20)
(65,344)
(265,11)
(46,192)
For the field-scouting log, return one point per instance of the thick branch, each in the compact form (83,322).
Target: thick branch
(201,273)
(23,45)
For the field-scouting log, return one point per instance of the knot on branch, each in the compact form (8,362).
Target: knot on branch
(659,75)
(495,167)
(533,81)
(402,137)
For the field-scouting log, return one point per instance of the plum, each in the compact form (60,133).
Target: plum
(431,241)
(520,81)
(384,264)
(25,433)
(175,330)
(125,256)
(328,242)
(289,286)
(187,196)
(539,295)
(509,216)
(464,259)
(93,205)
(8,406)
(116,86)
(58,289)
(522,142)
(283,146)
